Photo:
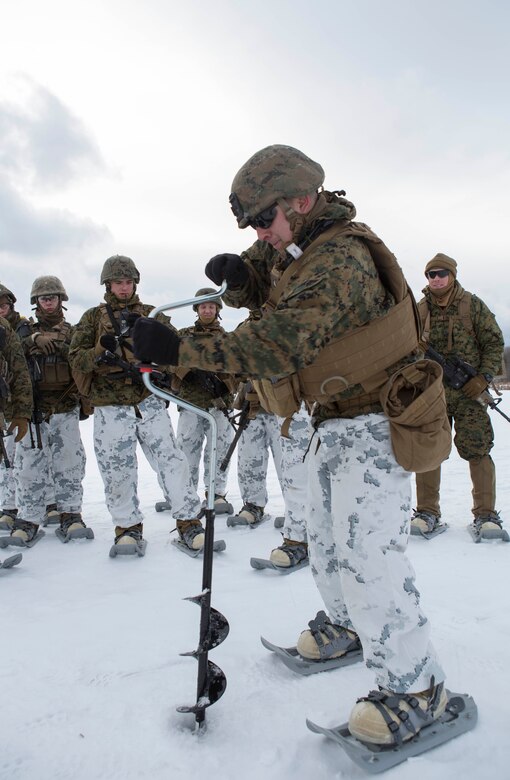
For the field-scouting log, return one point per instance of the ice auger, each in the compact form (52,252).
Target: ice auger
(214,627)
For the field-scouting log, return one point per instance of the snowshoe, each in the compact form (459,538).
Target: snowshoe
(250,515)
(128,541)
(12,561)
(23,534)
(426,525)
(459,716)
(52,515)
(218,546)
(279,521)
(488,527)
(289,557)
(7,519)
(296,663)
(73,527)
(221,506)
(162,506)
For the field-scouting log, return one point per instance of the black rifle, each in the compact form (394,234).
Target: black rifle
(457,373)
(37,416)
(242,423)
(130,370)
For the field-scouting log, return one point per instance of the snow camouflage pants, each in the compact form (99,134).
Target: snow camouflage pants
(117,430)
(358,530)
(7,484)
(261,435)
(54,473)
(294,475)
(192,431)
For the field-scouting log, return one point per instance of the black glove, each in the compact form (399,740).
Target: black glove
(154,342)
(227,267)
(108,341)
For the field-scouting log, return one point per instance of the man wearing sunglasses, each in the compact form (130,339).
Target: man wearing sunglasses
(457,323)
(315,273)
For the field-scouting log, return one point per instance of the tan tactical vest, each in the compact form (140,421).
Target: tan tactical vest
(463,316)
(55,370)
(358,357)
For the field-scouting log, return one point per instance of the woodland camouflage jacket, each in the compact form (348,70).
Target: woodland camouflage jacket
(15,373)
(194,389)
(337,291)
(477,338)
(107,389)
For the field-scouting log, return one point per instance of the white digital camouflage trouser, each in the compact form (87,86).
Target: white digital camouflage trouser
(358,529)
(261,435)
(192,431)
(7,484)
(54,472)
(117,430)
(294,480)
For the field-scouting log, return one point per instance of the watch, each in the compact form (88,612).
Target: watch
(488,378)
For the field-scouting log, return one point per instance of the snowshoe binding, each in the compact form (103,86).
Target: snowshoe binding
(289,557)
(7,519)
(408,724)
(250,515)
(426,524)
(23,534)
(324,646)
(488,527)
(221,506)
(12,561)
(73,527)
(128,541)
(191,538)
(52,515)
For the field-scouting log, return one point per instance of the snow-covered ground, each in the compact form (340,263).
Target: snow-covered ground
(90,673)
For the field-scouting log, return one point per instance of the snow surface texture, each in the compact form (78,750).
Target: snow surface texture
(91,675)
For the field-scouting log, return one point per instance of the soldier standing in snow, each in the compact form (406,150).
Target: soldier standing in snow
(51,461)
(209,391)
(320,277)
(125,413)
(7,485)
(458,323)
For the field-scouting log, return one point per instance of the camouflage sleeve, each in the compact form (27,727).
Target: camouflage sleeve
(83,342)
(20,384)
(336,291)
(259,260)
(490,339)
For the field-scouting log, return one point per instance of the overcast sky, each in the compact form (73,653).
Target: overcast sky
(122,125)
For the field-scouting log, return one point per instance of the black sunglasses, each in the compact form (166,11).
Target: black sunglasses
(263,219)
(443,273)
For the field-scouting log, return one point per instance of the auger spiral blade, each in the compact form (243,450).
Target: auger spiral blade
(218,628)
(214,688)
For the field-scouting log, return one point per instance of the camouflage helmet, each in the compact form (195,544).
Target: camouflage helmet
(272,173)
(47,285)
(6,293)
(119,267)
(207,291)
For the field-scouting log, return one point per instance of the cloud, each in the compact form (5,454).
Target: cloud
(30,231)
(43,143)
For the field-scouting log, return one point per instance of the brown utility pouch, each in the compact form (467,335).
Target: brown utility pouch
(281,397)
(83,381)
(56,373)
(414,401)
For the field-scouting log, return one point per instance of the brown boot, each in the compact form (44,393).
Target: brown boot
(191,533)
(387,718)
